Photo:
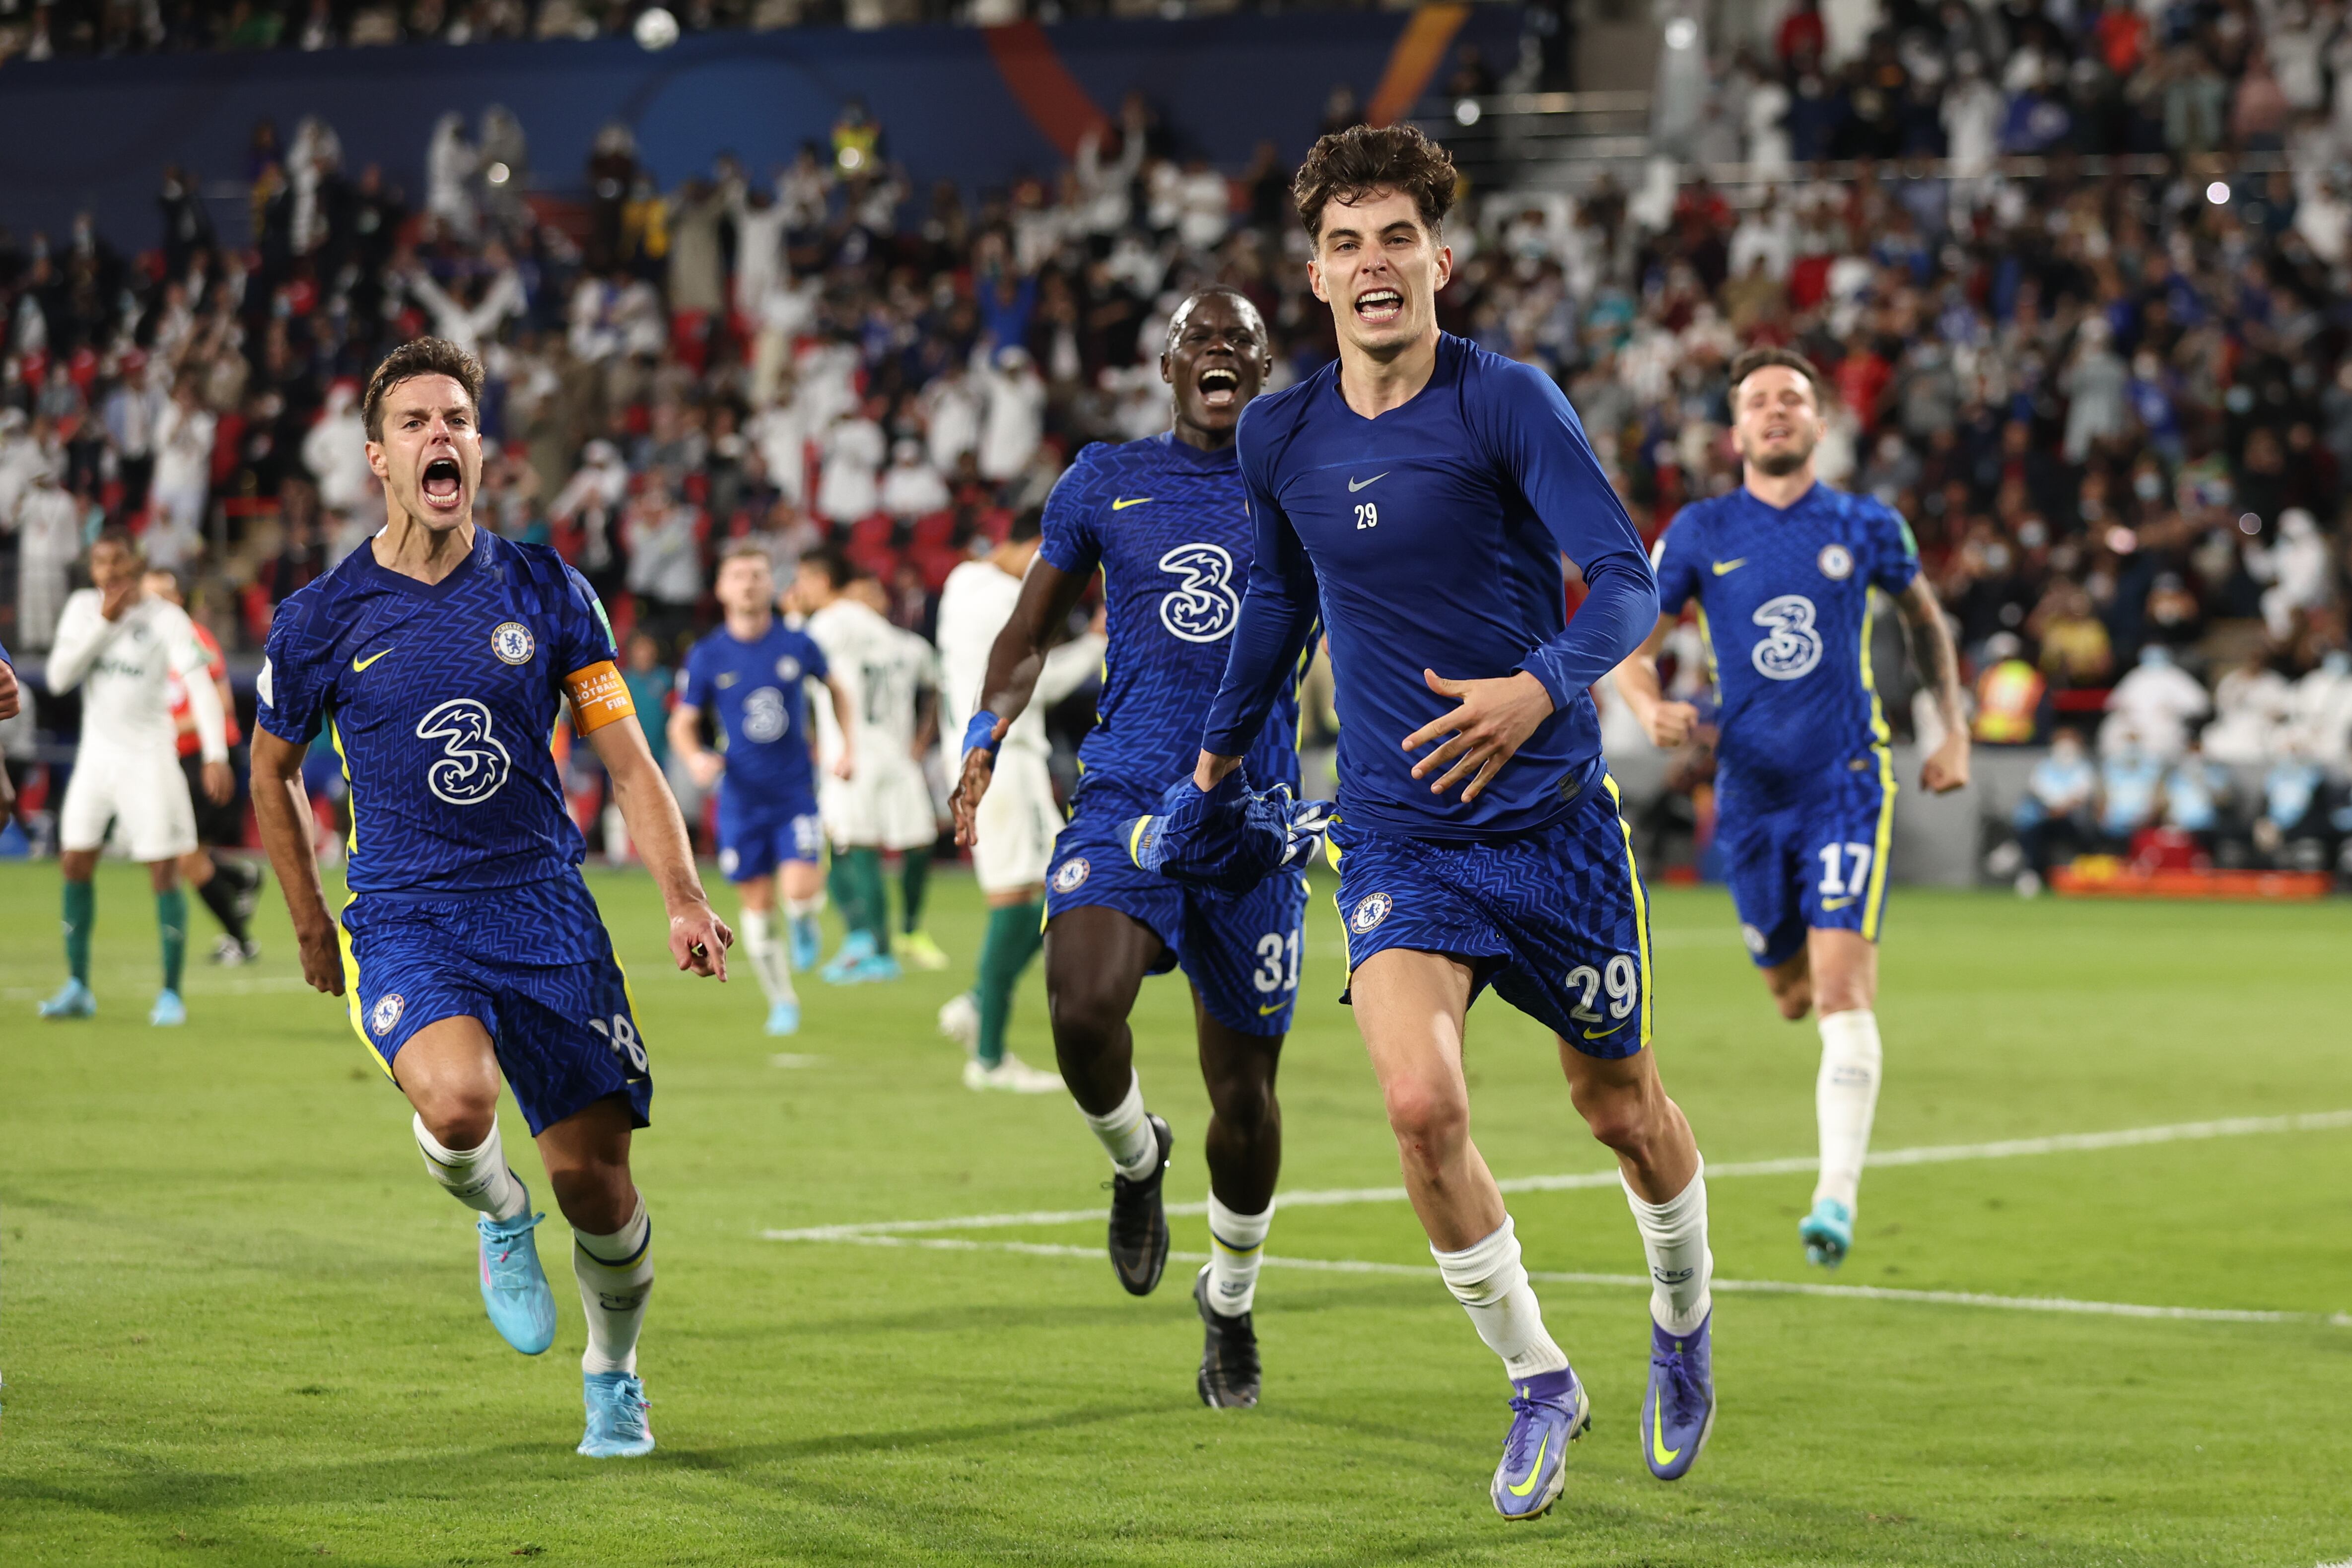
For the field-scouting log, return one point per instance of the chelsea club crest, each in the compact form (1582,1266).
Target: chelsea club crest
(385,1013)
(1072,875)
(1836,562)
(511,641)
(1370,912)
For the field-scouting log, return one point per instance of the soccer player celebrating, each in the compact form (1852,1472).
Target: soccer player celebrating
(438,656)
(229,886)
(1012,839)
(1423,491)
(751,672)
(1781,570)
(122,648)
(1164,517)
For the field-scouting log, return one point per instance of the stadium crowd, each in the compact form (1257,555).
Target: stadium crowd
(2116,406)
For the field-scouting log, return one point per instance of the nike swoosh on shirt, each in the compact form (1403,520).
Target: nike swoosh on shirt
(1121,505)
(1723,566)
(359,664)
(1830,903)
(1355,485)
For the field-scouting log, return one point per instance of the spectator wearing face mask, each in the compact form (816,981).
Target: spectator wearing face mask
(2055,809)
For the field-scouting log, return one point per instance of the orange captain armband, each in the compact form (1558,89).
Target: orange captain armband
(599,696)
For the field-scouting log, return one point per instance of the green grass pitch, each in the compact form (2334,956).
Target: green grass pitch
(241,1326)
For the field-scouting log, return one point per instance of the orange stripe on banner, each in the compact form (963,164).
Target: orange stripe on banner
(1057,105)
(1419,50)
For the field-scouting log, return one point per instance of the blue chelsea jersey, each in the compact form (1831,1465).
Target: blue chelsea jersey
(754,691)
(1430,538)
(1168,524)
(441,698)
(1784,601)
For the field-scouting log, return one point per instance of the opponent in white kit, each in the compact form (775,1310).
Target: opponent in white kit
(121,647)
(1018,818)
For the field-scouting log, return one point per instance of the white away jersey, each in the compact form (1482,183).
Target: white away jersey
(883,668)
(124,668)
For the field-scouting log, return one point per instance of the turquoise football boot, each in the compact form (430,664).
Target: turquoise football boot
(1827,1233)
(169,1011)
(73,1001)
(617,1417)
(514,1287)
(805,937)
(784,1017)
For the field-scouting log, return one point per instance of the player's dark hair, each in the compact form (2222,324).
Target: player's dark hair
(1751,361)
(418,357)
(746,548)
(1184,312)
(1349,165)
(116,534)
(1029,523)
(832,562)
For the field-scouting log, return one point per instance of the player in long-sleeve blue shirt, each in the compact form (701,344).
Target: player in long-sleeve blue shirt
(1420,494)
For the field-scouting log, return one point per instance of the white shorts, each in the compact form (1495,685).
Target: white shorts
(886,806)
(1016,824)
(148,793)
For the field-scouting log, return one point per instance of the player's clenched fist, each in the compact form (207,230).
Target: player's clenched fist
(1669,725)
(322,959)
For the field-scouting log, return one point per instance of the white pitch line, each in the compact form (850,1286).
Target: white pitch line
(1642,1282)
(1928,1155)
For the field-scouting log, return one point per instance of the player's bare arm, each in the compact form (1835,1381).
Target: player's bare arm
(698,939)
(1493,720)
(1667,724)
(1930,636)
(281,808)
(702,765)
(10,701)
(845,713)
(1048,594)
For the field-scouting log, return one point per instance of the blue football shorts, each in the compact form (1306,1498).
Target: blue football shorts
(758,837)
(533,964)
(1816,861)
(1242,952)
(1555,920)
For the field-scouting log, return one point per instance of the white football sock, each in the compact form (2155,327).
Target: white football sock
(478,1178)
(796,907)
(1126,1135)
(615,1274)
(1488,1278)
(771,961)
(1673,1233)
(1236,1243)
(1845,1096)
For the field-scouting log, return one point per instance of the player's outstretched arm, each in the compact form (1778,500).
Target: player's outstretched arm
(698,939)
(1667,724)
(283,809)
(1930,636)
(1048,594)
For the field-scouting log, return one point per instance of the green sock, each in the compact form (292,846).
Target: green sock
(1014,934)
(914,877)
(841,885)
(81,912)
(171,923)
(873,903)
